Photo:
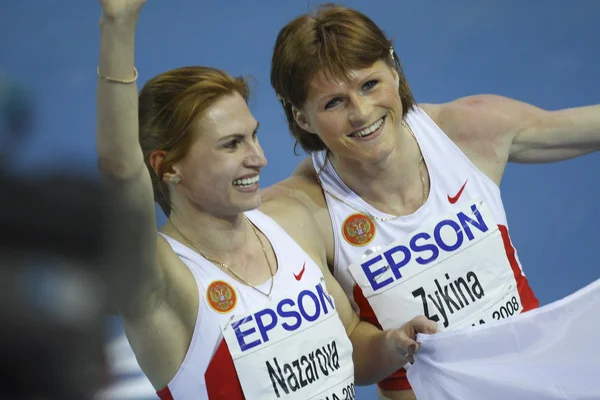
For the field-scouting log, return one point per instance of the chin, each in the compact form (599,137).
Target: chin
(377,152)
(251,204)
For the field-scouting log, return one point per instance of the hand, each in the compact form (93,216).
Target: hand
(121,9)
(403,340)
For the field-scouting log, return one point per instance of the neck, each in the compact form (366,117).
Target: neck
(393,184)
(230,241)
(216,238)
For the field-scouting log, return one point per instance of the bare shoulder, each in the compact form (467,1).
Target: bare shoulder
(299,222)
(432,110)
(484,116)
(463,118)
(293,186)
(303,186)
(290,213)
(483,127)
(494,102)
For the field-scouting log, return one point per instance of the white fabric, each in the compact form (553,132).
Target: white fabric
(551,353)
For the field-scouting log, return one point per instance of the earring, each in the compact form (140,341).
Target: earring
(175,180)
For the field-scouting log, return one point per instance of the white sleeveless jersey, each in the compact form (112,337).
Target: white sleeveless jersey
(245,345)
(550,353)
(452,260)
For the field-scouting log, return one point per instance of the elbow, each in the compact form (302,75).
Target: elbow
(365,374)
(361,378)
(364,357)
(118,169)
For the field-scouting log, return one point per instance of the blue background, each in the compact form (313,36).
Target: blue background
(545,52)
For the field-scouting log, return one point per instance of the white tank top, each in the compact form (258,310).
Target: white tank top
(452,260)
(245,345)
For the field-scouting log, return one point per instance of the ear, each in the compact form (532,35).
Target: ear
(396,77)
(302,120)
(157,157)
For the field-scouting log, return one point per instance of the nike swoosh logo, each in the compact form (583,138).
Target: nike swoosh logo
(299,276)
(454,199)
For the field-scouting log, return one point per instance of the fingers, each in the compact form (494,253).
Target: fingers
(405,342)
(406,335)
(423,325)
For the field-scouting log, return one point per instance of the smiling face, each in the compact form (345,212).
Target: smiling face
(340,42)
(357,118)
(220,172)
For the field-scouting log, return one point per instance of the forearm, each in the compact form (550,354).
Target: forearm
(375,356)
(580,128)
(119,151)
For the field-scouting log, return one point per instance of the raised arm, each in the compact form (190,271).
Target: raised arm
(120,158)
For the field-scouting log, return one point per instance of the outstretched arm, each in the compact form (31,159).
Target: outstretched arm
(525,133)
(548,136)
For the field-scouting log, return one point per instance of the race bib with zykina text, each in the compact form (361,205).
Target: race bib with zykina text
(454,270)
(296,348)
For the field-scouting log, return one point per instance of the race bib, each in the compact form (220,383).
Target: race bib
(454,271)
(296,348)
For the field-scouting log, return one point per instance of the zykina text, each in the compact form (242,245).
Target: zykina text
(449,296)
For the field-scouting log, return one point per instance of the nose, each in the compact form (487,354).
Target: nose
(360,110)
(255,156)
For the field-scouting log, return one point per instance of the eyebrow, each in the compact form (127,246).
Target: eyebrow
(237,135)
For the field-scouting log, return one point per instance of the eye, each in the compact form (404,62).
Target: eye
(255,136)
(332,103)
(370,84)
(234,144)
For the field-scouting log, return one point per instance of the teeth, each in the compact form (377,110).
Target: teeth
(246,181)
(368,130)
